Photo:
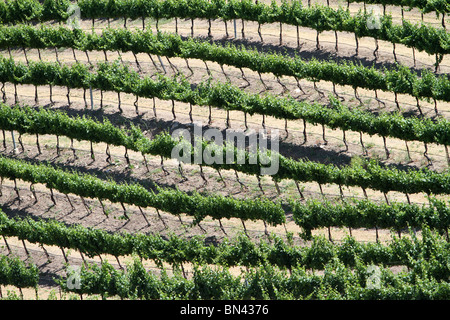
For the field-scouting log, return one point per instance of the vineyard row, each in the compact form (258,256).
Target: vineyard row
(265,282)
(422,37)
(368,174)
(399,80)
(236,251)
(118,78)
(308,215)
(173,201)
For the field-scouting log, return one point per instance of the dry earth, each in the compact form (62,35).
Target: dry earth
(292,143)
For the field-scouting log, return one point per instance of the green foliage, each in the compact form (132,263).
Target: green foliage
(114,77)
(322,18)
(264,282)
(14,271)
(397,79)
(345,266)
(364,174)
(236,251)
(367,214)
(170,200)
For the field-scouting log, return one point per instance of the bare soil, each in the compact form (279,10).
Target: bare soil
(292,144)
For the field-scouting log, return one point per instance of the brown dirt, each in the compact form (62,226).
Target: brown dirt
(293,145)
